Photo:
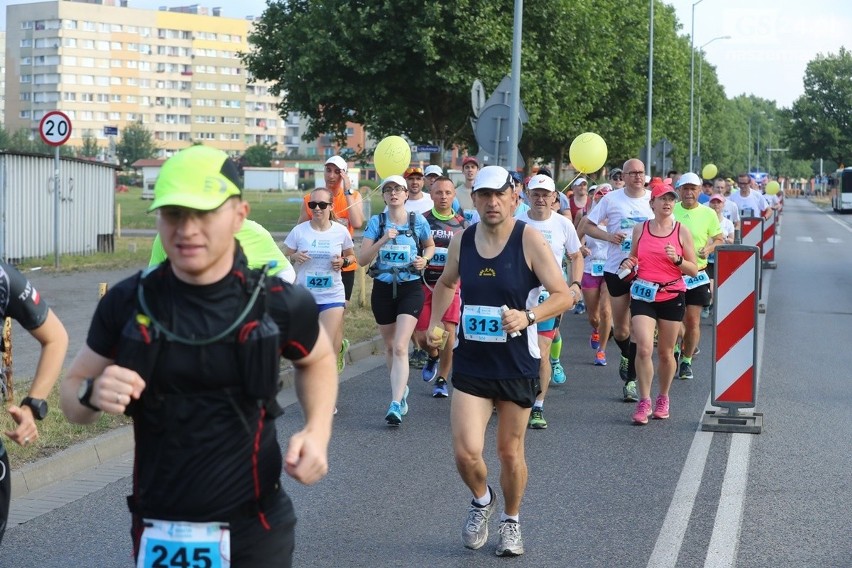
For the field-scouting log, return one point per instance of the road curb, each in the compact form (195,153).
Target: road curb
(114,443)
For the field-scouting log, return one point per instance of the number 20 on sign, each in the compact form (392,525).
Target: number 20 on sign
(55,128)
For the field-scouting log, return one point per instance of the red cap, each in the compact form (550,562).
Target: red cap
(470,160)
(660,189)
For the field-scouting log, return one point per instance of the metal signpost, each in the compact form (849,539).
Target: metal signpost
(55,130)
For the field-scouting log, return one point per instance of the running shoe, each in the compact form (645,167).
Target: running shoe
(643,411)
(600,359)
(685,371)
(430,370)
(403,405)
(440,390)
(595,340)
(341,355)
(623,368)
(629,391)
(697,351)
(394,415)
(580,308)
(558,373)
(661,407)
(475,530)
(417,359)
(705,312)
(537,421)
(511,543)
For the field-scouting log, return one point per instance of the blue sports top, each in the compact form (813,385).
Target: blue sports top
(484,350)
(398,253)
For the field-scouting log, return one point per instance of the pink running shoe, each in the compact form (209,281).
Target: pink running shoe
(661,407)
(595,340)
(643,411)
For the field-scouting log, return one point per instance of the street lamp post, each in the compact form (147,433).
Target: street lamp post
(692,81)
(700,66)
(650,86)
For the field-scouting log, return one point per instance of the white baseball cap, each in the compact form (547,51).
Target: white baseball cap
(688,178)
(541,181)
(433,170)
(337,161)
(495,178)
(579,181)
(398,180)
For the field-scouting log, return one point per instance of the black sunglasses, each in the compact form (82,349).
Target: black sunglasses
(321,204)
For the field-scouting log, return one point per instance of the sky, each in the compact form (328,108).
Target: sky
(771,41)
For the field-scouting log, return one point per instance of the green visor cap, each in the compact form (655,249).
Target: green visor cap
(199,177)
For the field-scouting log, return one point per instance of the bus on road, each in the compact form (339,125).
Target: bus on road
(841,193)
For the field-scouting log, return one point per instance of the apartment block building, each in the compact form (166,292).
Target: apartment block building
(2,77)
(176,71)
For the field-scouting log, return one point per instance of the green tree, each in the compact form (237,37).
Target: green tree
(259,155)
(821,119)
(136,144)
(90,146)
(340,61)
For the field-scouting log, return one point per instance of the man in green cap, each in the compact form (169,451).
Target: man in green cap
(190,350)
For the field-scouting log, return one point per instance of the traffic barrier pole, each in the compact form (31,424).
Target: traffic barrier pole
(752,235)
(769,241)
(734,373)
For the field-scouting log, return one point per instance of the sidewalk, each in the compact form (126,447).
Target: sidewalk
(85,468)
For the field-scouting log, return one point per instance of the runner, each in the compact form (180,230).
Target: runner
(595,292)
(320,249)
(402,245)
(444,222)
(349,212)
(703,225)
(562,239)
(731,211)
(501,262)
(430,174)
(257,244)
(717,203)
(190,350)
(750,202)
(464,190)
(21,302)
(621,211)
(661,253)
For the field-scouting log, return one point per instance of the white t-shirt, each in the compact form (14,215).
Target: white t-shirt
(598,249)
(316,274)
(620,212)
(559,233)
(727,228)
(731,211)
(753,201)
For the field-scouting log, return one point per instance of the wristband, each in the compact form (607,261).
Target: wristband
(580,286)
(679,261)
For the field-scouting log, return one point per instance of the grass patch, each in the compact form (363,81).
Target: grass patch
(130,252)
(278,212)
(55,432)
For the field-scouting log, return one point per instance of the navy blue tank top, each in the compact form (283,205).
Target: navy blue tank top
(483,350)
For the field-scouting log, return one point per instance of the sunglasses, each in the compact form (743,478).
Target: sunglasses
(616,177)
(395,189)
(321,204)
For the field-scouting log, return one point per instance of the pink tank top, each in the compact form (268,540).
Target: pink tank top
(655,265)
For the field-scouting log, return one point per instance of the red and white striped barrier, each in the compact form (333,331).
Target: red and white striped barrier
(752,231)
(768,247)
(734,376)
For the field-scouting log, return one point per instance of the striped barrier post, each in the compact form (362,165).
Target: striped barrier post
(752,235)
(734,374)
(769,241)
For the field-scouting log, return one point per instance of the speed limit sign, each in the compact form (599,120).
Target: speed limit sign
(55,128)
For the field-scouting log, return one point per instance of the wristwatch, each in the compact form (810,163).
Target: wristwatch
(38,406)
(84,394)
(348,192)
(530,317)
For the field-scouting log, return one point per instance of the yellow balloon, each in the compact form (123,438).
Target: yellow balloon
(588,152)
(709,171)
(392,156)
(773,187)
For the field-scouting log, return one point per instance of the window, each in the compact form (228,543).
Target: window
(87,62)
(87,97)
(70,61)
(115,45)
(66,96)
(69,24)
(69,42)
(27,42)
(89,26)
(115,98)
(87,79)
(26,78)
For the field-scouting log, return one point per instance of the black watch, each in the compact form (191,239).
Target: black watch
(530,317)
(84,394)
(38,406)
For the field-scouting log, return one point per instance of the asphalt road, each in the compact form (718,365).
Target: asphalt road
(602,492)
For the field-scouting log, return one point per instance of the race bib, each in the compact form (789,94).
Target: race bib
(468,215)
(177,544)
(699,279)
(439,258)
(598,267)
(643,290)
(318,280)
(626,243)
(483,323)
(397,256)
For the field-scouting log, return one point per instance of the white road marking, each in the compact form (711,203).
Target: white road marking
(804,239)
(834,241)
(841,223)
